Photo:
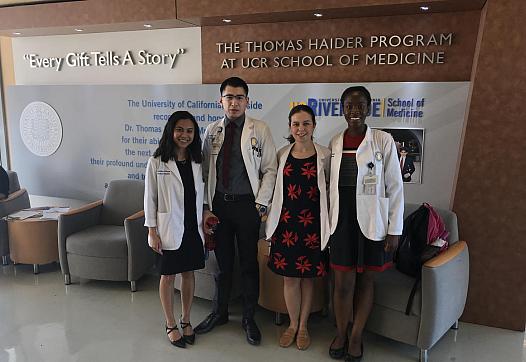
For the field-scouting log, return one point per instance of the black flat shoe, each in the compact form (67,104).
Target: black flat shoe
(350,358)
(338,353)
(252,331)
(179,342)
(212,320)
(188,338)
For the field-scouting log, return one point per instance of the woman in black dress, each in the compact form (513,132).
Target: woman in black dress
(366,213)
(298,225)
(173,207)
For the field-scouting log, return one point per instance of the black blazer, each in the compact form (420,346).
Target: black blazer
(409,167)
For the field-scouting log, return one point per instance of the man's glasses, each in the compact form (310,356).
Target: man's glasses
(231,97)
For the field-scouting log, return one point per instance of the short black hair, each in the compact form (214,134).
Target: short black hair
(167,147)
(358,88)
(404,149)
(297,109)
(234,82)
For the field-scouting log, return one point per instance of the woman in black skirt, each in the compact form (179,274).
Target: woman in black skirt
(298,223)
(366,217)
(173,207)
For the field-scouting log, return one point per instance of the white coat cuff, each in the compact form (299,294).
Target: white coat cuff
(150,223)
(394,231)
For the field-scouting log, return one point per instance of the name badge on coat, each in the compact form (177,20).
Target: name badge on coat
(217,141)
(370,180)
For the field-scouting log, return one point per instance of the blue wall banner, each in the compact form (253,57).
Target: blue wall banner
(109,131)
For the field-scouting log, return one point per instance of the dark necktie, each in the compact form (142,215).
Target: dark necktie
(227,150)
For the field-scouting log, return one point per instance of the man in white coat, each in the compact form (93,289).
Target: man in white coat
(239,169)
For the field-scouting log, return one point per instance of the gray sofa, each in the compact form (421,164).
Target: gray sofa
(438,303)
(205,279)
(17,200)
(107,239)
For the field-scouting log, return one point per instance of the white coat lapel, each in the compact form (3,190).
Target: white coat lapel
(336,151)
(365,152)
(246,135)
(320,158)
(218,137)
(220,132)
(173,167)
(197,175)
(283,157)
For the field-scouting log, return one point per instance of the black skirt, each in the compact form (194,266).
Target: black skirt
(190,256)
(349,248)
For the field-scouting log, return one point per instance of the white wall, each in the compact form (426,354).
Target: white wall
(187,69)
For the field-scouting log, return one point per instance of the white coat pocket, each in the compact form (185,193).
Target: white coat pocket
(373,216)
(164,228)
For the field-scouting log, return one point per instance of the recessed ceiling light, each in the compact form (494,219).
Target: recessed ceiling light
(79,30)
(17,33)
(227,20)
(147,25)
(424,8)
(318,15)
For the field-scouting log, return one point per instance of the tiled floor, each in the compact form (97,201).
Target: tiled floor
(43,320)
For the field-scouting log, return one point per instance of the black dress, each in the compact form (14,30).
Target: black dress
(295,246)
(350,249)
(190,255)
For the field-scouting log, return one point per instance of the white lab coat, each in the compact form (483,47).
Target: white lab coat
(323,160)
(380,214)
(258,152)
(164,201)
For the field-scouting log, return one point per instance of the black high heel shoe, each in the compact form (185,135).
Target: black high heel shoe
(190,339)
(338,353)
(179,342)
(350,358)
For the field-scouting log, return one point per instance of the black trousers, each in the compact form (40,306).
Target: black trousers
(239,223)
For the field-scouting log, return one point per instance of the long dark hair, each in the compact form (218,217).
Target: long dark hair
(167,148)
(297,109)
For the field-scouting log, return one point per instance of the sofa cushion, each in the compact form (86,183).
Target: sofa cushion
(107,241)
(392,290)
(123,198)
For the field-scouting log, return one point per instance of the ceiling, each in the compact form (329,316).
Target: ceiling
(36,18)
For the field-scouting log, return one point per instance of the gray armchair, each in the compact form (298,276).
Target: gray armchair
(437,305)
(107,240)
(17,200)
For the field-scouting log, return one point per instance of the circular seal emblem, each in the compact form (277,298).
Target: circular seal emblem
(40,128)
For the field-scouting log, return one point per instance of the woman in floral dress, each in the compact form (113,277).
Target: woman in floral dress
(298,223)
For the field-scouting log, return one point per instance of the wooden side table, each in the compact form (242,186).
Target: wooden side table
(33,241)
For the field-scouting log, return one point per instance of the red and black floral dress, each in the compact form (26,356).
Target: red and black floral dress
(295,245)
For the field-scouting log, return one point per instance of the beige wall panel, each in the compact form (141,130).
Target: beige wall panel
(85,13)
(489,197)
(8,78)
(8,70)
(250,10)
(457,67)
